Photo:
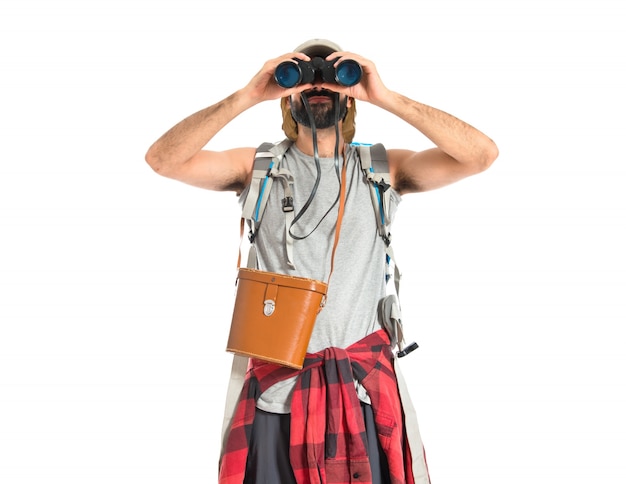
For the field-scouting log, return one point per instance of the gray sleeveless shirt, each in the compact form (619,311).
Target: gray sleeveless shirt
(358,279)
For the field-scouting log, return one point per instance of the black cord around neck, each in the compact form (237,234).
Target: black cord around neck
(336,111)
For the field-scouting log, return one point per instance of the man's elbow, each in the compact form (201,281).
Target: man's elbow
(487,156)
(156,162)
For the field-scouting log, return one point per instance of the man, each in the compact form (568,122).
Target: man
(287,428)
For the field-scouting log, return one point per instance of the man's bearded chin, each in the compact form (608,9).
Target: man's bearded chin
(323,113)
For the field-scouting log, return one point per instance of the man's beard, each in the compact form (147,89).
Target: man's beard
(323,113)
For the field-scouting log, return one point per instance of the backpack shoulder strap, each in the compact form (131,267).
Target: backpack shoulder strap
(266,164)
(375,166)
(376,169)
(265,170)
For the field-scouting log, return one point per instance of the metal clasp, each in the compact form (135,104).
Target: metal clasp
(269,306)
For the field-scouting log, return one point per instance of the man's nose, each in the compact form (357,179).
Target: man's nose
(317,81)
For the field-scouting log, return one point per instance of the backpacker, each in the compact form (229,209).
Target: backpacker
(266,170)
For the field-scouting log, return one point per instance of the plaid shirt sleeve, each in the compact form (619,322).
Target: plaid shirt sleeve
(328,440)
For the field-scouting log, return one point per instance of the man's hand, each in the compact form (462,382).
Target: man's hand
(263,86)
(370,88)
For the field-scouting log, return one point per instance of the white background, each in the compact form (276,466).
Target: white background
(116,284)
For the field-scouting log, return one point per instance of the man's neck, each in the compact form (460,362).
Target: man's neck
(326,140)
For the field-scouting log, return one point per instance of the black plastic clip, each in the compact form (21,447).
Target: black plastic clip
(382,185)
(409,349)
(288,204)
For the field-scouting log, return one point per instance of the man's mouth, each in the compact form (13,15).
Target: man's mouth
(319,96)
(318,99)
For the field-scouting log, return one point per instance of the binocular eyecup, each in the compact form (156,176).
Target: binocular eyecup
(289,74)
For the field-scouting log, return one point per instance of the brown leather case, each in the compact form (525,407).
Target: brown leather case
(274,316)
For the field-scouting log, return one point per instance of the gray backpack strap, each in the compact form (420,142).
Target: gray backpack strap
(375,167)
(266,162)
(235,385)
(265,170)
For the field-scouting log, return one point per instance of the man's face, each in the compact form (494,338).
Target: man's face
(322,104)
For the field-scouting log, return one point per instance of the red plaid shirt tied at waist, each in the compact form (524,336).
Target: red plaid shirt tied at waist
(328,440)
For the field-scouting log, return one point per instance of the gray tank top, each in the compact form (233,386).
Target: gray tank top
(358,279)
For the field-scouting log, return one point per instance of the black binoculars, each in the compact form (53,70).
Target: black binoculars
(289,74)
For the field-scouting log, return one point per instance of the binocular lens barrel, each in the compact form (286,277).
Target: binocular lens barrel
(348,73)
(289,74)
